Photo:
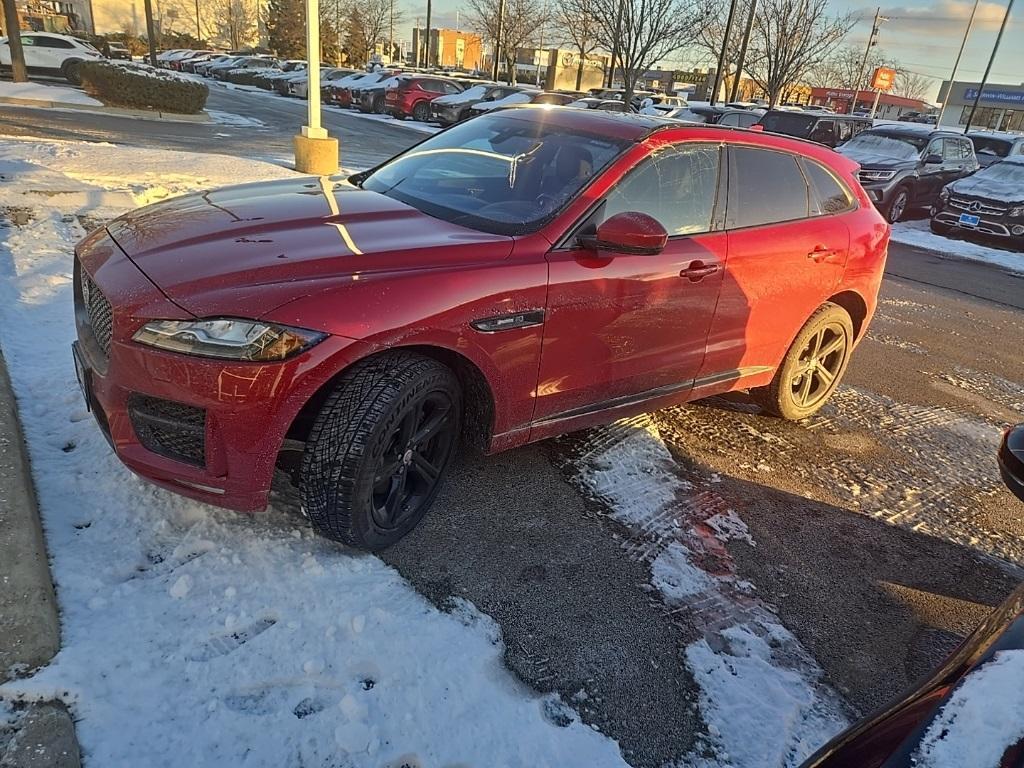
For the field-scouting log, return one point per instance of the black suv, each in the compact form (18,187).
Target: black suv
(989,202)
(826,128)
(906,165)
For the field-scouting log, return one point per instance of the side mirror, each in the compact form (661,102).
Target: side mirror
(629,232)
(1011,460)
(933,159)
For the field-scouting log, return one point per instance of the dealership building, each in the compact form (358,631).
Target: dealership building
(1000,108)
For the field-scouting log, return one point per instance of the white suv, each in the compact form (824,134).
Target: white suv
(50,54)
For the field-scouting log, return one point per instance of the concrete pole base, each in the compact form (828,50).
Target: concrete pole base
(316,156)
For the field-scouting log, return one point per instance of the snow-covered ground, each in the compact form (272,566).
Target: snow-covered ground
(918,234)
(762,694)
(38,92)
(195,636)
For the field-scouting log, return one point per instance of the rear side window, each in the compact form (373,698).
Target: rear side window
(966,149)
(828,194)
(764,187)
(677,185)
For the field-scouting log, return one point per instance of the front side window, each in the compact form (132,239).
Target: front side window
(677,185)
(765,187)
(26,40)
(497,173)
(950,150)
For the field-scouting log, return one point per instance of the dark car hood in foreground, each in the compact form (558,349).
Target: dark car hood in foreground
(998,190)
(245,250)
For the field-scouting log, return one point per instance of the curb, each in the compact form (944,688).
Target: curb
(43,737)
(143,114)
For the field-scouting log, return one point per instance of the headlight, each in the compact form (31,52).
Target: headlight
(1018,211)
(877,175)
(228,338)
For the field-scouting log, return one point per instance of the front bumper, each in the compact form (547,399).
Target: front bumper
(991,222)
(204,428)
(881,192)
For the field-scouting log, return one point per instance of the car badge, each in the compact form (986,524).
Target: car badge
(975,206)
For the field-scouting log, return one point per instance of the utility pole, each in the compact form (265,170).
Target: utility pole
(13,29)
(721,53)
(872,41)
(427,62)
(615,44)
(199,34)
(150,31)
(743,50)
(988,69)
(391,32)
(956,64)
(497,39)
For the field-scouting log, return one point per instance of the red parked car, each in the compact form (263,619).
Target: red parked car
(411,97)
(515,277)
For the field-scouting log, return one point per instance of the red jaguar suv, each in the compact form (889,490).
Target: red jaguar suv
(514,277)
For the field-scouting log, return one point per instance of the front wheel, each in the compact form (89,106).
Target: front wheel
(72,71)
(897,207)
(379,449)
(813,366)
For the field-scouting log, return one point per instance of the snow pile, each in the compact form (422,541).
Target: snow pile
(918,234)
(200,637)
(761,693)
(981,720)
(40,92)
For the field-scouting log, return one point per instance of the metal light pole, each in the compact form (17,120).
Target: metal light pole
(743,50)
(199,34)
(721,53)
(315,152)
(427,62)
(391,32)
(12,27)
(988,69)
(497,39)
(956,64)
(150,31)
(615,44)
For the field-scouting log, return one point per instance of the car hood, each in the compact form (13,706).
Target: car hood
(249,249)
(1000,190)
(876,160)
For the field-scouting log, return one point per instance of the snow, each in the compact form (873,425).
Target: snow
(58,93)
(917,234)
(201,637)
(761,693)
(981,719)
(228,118)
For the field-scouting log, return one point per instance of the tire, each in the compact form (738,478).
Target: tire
(364,481)
(789,395)
(938,228)
(421,112)
(72,71)
(378,105)
(897,207)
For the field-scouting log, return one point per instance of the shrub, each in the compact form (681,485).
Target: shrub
(142,87)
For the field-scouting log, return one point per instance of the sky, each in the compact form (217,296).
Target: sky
(923,36)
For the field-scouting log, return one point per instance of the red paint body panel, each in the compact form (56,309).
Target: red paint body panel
(402,100)
(621,333)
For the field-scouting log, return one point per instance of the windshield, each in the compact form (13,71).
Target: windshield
(495,173)
(986,146)
(901,147)
(789,123)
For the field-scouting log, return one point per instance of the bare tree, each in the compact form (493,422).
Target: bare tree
(230,23)
(368,25)
(840,68)
(790,38)
(642,32)
(711,31)
(911,85)
(578,20)
(522,20)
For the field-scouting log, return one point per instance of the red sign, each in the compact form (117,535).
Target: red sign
(883,79)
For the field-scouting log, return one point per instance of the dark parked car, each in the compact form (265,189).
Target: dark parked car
(906,165)
(826,128)
(594,102)
(993,146)
(943,712)
(118,51)
(989,202)
(520,275)
(373,97)
(412,96)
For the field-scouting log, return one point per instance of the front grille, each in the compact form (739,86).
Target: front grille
(101,316)
(977,206)
(174,430)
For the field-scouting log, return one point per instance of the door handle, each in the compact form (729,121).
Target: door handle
(698,270)
(820,254)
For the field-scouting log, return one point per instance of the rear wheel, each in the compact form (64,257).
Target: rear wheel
(813,366)
(378,105)
(421,112)
(379,449)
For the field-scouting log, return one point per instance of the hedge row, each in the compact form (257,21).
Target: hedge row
(142,87)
